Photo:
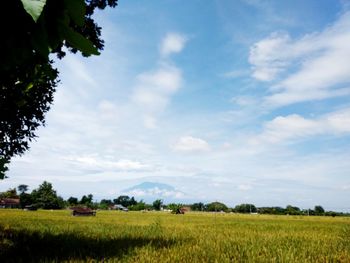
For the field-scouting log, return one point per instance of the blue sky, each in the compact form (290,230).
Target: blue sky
(236,101)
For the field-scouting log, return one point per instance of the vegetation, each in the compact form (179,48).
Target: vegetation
(113,236)
(45,197)
(157,204)
(216,207)
(32,31)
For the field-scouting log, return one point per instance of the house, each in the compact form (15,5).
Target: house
(82,211)
(10,203)
(120,207)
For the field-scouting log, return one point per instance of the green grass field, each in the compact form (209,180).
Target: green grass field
(37,236)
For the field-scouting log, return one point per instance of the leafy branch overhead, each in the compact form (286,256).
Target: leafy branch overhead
(34,7)
(34,30)
(59,23)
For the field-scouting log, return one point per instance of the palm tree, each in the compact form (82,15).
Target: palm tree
(22,188)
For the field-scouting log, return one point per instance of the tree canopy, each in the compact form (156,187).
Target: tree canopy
(32,31)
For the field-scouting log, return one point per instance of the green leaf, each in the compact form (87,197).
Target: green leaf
(76,10)
(79,42)
(34,7)
(40,40)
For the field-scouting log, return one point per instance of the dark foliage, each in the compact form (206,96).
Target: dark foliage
(125,201)
(216,207)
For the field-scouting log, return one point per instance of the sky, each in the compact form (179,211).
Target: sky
(242,101)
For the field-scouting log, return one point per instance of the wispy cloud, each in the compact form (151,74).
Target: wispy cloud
(154,88)
(108,164)
(292,127)
(156,193)
(191,144)
(314,67)
(172,43)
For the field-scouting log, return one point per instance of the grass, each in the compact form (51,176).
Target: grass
(46,236)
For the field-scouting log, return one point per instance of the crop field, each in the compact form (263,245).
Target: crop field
(111,236)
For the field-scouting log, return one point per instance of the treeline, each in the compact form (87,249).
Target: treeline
(275,210)
(45,197)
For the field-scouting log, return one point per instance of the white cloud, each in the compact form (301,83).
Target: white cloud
(191,144)
(130,165)
(156,193)
(314,66)
(294,126)
(106,164)
(267,56)
(244,187)
(154,89)
(172,43)
(79,70)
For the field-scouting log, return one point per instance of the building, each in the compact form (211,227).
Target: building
(10,203)
(119,207)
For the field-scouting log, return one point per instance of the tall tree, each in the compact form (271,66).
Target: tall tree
(32,30)
(197,206)
(10,193)
(22,188)
(72,200)
(216,207)
(157,204)
(46,197)
(245,208)
(86,199)
(125,200)
(319,210)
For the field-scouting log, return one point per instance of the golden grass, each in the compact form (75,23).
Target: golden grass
(161,237)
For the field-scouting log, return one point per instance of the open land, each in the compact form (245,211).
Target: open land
(112,236)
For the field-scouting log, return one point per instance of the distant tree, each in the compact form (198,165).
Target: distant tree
(10,193)
(157,204)
(106,201)
(72,200)
(216,207)
(175,208)
(197,207)
(319,210)
(46,197)
(22,188)
(105,204)
(292,210)
(276,210)
(86,200)
(141,205)
(245,208)
(25,199)
(333,214)
(132,201)
(125,201)
(33,30)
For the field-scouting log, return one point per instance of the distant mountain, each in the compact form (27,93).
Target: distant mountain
(151,185)
(151,190)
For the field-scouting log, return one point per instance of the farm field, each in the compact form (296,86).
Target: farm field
(111,236)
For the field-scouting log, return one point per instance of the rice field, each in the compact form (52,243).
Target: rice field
(111,236)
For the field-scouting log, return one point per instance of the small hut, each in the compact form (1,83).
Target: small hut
(82,211)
